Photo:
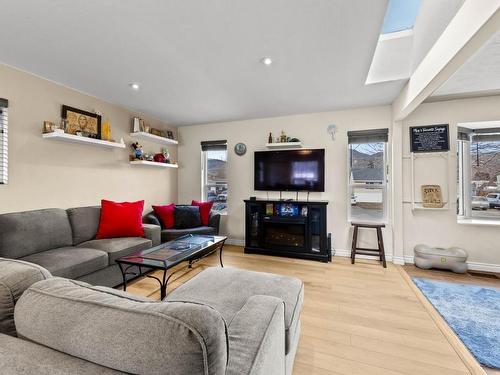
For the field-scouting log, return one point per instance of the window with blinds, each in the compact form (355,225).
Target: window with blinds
(367,175)
(4,157)
(214,174)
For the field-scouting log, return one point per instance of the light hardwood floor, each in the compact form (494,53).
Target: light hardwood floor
(357,319)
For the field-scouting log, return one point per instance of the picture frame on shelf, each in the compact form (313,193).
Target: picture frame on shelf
(432,196)
(170,134)
(48,127)
(77,120)
(156,132)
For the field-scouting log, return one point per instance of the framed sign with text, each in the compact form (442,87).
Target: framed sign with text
(430,138)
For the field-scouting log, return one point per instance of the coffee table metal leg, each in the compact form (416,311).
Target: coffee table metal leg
(163,283)
(163,286)
(124,276)
(220,253)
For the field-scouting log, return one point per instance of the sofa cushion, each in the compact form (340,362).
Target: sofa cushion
(166,215)
(257,338)
(187,217)
(122,219)
(30,232)
(239,285)
(23,357)
(84,223)
(71,262)
(114,329)
(172,234)
(15,277)
(205,208)
(118,247)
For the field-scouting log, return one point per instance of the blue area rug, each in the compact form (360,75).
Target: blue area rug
(472,311)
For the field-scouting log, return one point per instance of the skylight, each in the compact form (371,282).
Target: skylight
(400,15)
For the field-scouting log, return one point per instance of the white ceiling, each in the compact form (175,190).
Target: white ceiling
(398,54)
(198,61)
(478,76)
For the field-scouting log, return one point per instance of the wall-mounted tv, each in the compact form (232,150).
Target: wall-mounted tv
(291,170)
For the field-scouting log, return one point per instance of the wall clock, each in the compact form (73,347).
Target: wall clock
(240,149)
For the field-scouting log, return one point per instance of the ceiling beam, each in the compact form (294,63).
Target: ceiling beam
(474,24)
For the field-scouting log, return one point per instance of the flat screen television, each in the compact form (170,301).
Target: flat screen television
(291,170)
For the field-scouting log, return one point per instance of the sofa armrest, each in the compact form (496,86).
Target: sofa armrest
(151,218)
(257,338)
(214,222)
(117,330)
(152,232)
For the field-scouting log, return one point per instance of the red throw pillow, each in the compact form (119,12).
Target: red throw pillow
(166,215)
(120,219)
(205,208)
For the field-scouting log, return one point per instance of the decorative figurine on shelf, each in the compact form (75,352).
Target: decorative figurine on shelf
(106,131)
(138,154)
(283,136)
(166,154)
(48,127)
(63,124)
(159,158)
(270,139)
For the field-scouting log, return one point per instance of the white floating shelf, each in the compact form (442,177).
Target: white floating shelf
(84,140)
(284,145)
(153,138)
(420,207)
(154,164)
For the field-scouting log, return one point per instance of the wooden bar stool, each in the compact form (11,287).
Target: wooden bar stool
(380,253)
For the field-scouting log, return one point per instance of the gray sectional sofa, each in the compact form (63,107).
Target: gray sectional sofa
(222,322)
(63,242)
(171,234)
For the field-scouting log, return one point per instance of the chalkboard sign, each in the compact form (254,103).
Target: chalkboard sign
(431,138)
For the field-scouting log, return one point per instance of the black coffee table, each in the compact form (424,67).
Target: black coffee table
(189,248)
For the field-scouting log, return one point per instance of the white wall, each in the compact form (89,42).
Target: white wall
(440,228)
(311,130)
(45,173)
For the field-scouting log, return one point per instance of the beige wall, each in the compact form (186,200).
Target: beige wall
(440,228)
(311,130)
(47,173)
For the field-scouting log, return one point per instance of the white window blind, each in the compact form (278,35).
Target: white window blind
(4,133)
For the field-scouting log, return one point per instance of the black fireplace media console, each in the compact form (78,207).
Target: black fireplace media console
(287,228)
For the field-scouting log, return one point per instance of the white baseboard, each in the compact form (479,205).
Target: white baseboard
(235,242)
(407,259)
(398,260)
(474,266)
(347,253)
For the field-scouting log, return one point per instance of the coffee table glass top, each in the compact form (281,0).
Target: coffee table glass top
(171,253)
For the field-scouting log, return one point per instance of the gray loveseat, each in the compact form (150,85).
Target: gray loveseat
(63,242)
(171,234)
(221,322)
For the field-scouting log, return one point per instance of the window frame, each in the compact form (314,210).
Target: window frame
(384,187)
(204,179)
(464,181)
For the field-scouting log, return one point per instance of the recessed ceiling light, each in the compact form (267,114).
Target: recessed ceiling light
(266,61)
(134,86)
